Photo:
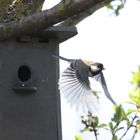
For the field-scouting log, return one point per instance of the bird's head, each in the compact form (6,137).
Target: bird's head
(96,68)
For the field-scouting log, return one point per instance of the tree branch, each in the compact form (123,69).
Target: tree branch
(76,19)
(47,18)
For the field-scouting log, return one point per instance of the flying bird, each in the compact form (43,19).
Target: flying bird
(75,85)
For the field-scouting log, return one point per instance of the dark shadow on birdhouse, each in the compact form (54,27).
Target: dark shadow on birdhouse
(29,96)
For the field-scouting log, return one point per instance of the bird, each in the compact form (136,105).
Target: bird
(75,85)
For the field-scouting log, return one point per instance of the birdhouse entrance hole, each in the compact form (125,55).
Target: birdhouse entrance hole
(24,73)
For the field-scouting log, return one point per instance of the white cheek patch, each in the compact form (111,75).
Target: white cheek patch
(94,68)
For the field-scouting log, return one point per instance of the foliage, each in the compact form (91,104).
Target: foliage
(116,6)
(123,120)
(3,8)
(78,137)
(15,9)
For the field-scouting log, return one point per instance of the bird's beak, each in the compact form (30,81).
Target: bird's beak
(103,68)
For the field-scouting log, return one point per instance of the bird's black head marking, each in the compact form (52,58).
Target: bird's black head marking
(99,65)
(96,68)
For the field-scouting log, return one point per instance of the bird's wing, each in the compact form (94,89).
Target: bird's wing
(104,86)
(82,73)
(77,92)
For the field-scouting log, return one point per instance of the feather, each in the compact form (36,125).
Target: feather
(104,86)
(77,93)
(87,62)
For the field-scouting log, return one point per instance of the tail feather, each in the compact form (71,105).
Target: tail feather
(62,58)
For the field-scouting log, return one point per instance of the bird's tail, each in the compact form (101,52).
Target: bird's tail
(62,58)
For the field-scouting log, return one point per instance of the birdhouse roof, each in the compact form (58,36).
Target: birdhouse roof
(60,33)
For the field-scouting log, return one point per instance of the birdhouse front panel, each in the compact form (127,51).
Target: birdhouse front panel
(29,101)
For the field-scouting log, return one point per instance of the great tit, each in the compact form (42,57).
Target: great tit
(75,85)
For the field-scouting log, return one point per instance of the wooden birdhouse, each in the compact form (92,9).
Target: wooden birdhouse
(29,96)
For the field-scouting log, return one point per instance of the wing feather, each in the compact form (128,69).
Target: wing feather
(76,92)
(106,91)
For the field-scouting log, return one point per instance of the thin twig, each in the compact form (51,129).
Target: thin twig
(135,132)
(95,133)
(129,127)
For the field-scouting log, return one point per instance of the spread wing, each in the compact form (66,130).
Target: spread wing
(104,86)
(75,86)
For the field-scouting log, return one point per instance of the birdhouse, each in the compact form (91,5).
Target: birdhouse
(29,96)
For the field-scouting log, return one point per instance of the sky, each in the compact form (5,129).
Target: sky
(113,41)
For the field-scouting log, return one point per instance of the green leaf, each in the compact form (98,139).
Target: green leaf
(135,95)
(102,125)
(111,126)
(136,77)
(129,112)
(78,137)
(109,6)
(119,115)
(86,129)
(95,121)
